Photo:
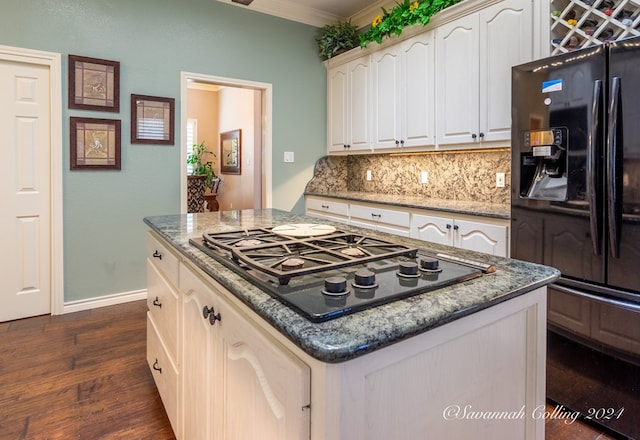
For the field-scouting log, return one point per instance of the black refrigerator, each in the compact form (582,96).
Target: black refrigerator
(575,196)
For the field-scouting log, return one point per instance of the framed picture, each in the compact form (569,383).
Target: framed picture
(95,144)
(94,84)
(231,152)
(152,120)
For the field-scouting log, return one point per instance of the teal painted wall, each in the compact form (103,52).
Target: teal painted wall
(104,236)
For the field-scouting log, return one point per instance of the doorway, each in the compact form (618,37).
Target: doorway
(30,183)
(237,189)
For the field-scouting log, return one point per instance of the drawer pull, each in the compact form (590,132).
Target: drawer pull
(156,367)
(209,312)
(325,206)
(157,303)
(157,254)
(376,215)
(448,226)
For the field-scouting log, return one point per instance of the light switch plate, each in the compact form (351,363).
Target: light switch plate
(288,156)
(424,177)
(500,180)
(368,174)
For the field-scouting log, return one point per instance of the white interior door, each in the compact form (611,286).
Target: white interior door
(25,189)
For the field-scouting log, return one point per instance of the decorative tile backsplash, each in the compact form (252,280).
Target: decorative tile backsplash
(468,176)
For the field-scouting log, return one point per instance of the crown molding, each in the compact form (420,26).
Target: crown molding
(295,11)
(290,10)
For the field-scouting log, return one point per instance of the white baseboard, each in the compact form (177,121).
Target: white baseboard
(103,301)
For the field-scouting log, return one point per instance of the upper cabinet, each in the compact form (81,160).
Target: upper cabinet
(444,86)
(403,108)
(348,106)
(475,56)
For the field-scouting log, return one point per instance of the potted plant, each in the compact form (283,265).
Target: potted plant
(201,178)
(337,38)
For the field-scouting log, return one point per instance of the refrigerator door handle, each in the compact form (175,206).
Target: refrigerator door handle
(592,160)
(613,205)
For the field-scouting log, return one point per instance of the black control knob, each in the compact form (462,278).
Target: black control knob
(335,285)
(364,278)
(408,268)
(429,264)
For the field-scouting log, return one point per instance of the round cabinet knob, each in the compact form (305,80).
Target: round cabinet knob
(429,263)
(335,285)
(364,278)
(408,269)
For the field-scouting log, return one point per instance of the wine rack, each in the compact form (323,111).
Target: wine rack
(582,23)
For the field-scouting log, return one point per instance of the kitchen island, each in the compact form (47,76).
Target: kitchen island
(465,361)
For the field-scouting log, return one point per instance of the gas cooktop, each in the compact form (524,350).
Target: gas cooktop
(324,273)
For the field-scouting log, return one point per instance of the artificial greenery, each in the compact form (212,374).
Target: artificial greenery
(201,168)
(400,16)
(336,37)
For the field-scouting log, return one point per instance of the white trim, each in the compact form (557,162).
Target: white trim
(53,61)
(103,301)
(267,100)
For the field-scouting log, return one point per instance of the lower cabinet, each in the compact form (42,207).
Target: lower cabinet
(474,233)
(237,383)
(471,235)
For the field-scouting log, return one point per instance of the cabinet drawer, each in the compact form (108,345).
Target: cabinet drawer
(165,373)
(328,206)
(378,215)
(163,303)
(162,258)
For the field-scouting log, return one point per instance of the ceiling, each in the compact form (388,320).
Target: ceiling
(320,12)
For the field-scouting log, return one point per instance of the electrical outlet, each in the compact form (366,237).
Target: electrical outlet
(288,156)
(424,177)
(500,180)
(368,174)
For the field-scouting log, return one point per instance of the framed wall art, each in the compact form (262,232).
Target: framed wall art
(231,152)
(94,84)
(152,120)
(95,144)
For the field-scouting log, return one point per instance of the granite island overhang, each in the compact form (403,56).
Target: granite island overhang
(351,336)
(463,361)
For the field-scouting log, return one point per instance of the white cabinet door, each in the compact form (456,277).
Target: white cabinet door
(481,237)
(237,383)
(417,83)
(198,359)
(337,86)
(386,99)
(359,106)
(506,40)
(457,91)
(265,390)
(432,228)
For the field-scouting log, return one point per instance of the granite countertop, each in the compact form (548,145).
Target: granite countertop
(353,335)
(417,202)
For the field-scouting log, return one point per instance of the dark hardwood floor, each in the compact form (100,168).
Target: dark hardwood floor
(84,376)
(79,376)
